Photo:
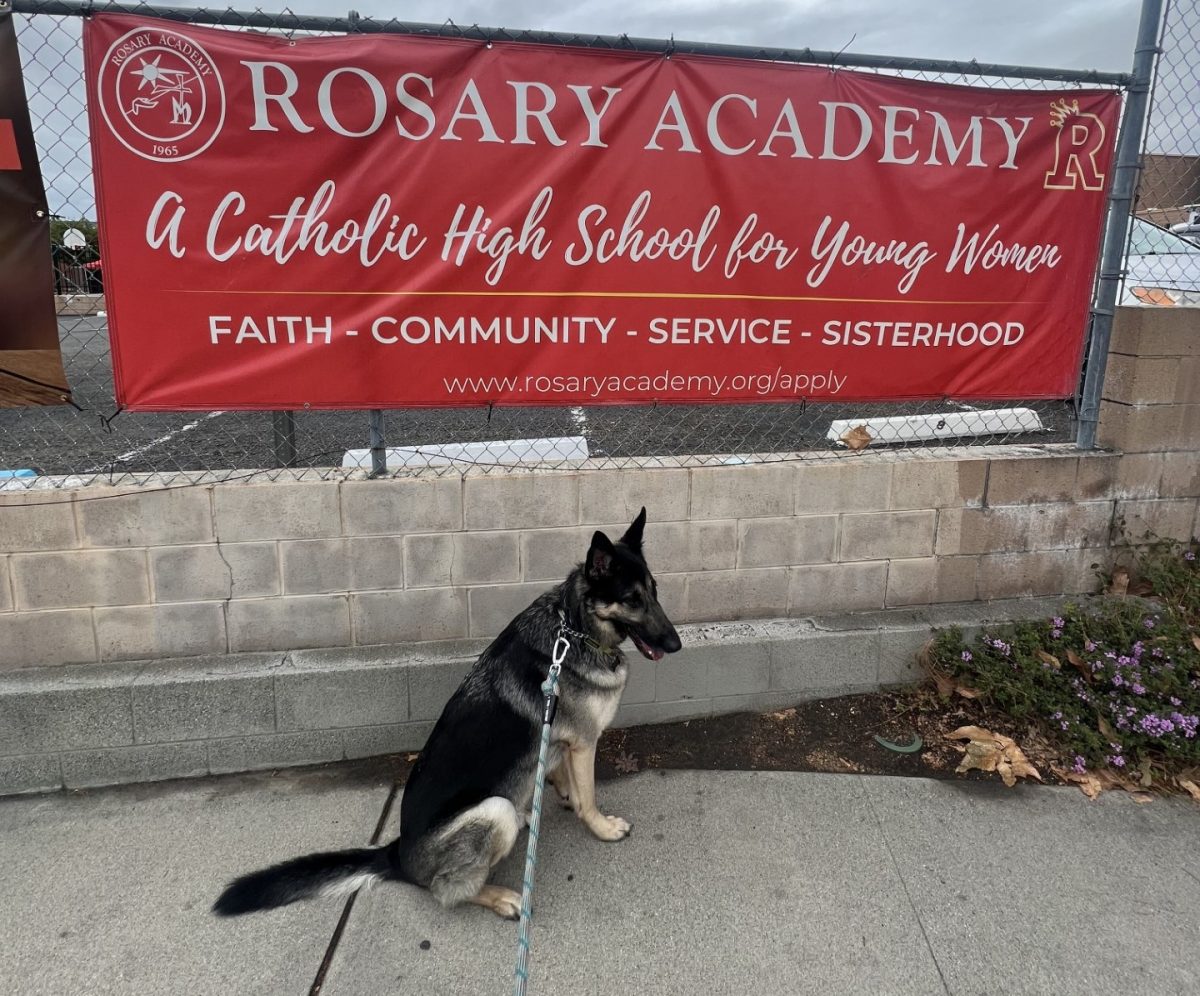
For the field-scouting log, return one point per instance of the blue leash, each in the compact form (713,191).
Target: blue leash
(550,690)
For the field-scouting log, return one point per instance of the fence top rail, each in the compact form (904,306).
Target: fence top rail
(355,24)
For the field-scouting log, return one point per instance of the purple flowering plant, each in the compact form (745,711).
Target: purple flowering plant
(1115,683)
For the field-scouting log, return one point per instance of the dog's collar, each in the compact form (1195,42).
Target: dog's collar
(566,632)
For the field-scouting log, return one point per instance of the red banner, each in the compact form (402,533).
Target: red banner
(390,221)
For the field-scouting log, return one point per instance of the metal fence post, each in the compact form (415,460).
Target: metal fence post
(283,426)
(378,450)
(1116,228)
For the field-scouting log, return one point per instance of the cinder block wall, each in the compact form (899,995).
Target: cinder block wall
(1151,406)
(96,576)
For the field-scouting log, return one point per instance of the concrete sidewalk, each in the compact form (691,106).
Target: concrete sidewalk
(731,883)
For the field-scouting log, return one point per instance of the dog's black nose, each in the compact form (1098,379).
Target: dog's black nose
(671,643)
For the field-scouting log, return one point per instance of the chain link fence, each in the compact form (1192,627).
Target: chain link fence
(94,441)
(1163,258)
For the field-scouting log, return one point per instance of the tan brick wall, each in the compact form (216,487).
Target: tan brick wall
(98,574)
(1151,398)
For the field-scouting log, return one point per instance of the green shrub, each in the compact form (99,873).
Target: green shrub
(1117,684)
(1174,577)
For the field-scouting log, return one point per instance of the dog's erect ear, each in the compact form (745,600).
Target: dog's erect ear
(600,556)
(633,535)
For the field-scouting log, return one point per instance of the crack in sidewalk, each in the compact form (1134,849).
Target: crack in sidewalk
(904,885)
(336,939)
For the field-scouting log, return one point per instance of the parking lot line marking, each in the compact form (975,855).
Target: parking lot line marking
(138,451)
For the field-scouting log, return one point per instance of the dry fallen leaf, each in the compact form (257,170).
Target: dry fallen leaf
(857,438)
(1105,728)
(1050,659)
(1088,783)
(1092,783)
(1110,779)
(784,714)
(1155,296)
(989,751)
(1190,787)
(945,684)
(1079,664)
(948,685)
(1196,641)
(1119,584)
(627,764)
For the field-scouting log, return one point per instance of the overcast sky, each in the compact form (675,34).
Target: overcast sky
(1076,34)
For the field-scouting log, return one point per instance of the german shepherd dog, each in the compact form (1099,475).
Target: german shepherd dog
(469,793)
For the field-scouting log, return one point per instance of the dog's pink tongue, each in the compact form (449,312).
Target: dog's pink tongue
(647,651)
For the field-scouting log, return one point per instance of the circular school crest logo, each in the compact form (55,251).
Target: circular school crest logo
(161,95)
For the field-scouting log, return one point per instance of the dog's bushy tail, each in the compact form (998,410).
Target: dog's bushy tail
(329,873)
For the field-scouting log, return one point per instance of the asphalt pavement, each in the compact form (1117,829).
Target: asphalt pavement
(732,882)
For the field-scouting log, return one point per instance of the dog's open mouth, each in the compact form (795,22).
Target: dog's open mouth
(647,651)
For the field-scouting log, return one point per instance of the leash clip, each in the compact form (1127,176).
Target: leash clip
(561,646)
(550,685)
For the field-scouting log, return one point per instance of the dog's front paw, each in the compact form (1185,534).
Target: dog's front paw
(610,827)
(508,906)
